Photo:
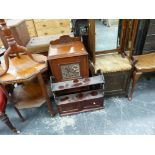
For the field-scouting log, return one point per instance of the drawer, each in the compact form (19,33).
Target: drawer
(152,21)
(29,23)
(94,103)
(69,108)
(54,31)
(150,38)
(32,32)
(52,24)
(31,28)
(151,29)
(149,46)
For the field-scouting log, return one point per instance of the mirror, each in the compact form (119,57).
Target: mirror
(107,34)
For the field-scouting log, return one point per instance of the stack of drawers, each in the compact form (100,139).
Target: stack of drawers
(42,27)
(52,27)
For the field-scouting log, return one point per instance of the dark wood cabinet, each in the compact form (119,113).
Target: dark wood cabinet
(82,100)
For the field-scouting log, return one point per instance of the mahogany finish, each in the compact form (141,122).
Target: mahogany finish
(13,48)
(82,100)
(68,58)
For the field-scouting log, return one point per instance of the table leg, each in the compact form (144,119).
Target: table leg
(45,93)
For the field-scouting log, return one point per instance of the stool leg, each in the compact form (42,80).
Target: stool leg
(135,78)
(19,114)
(6,120)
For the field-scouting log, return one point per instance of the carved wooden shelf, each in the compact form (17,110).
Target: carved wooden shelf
(79,100)
(77,83)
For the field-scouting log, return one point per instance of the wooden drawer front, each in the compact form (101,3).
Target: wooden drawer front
(69,108)
(151,29)
(88,104)
(149,46)
(150,38)
(54,31)
(152,21)
(42,24)
(31,28)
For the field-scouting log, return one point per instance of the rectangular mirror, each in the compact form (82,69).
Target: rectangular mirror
(107,35)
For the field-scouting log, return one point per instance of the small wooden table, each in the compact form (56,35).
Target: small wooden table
(23,70)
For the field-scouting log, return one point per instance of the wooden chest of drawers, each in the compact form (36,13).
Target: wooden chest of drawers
(82,101)
(68,59)
(52,27)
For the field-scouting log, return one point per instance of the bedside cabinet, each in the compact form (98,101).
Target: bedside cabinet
(68,59)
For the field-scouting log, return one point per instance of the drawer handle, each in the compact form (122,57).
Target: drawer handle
(94,103)
(61,23)
(62,31)
(44,25)
(46,33)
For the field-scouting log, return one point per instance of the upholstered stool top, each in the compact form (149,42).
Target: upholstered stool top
(145,62)
(112,62)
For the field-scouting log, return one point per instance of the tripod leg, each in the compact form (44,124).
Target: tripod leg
(19,114)
(6,120)
(23,49)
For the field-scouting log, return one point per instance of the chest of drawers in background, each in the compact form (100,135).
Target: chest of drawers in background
(42,27)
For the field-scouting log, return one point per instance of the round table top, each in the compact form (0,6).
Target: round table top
(22,69)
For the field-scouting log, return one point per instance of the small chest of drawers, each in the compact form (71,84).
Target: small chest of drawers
(80,100)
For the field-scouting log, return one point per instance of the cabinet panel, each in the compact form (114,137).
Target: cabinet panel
(53,31)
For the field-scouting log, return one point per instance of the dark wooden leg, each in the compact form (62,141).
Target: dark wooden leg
(135,78)
(19,114)
(45,93)
(6,120)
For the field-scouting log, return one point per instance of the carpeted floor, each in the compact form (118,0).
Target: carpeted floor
(120,116)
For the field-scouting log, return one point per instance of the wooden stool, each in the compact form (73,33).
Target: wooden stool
(145,63)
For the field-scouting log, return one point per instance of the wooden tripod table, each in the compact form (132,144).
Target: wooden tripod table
(23,70)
